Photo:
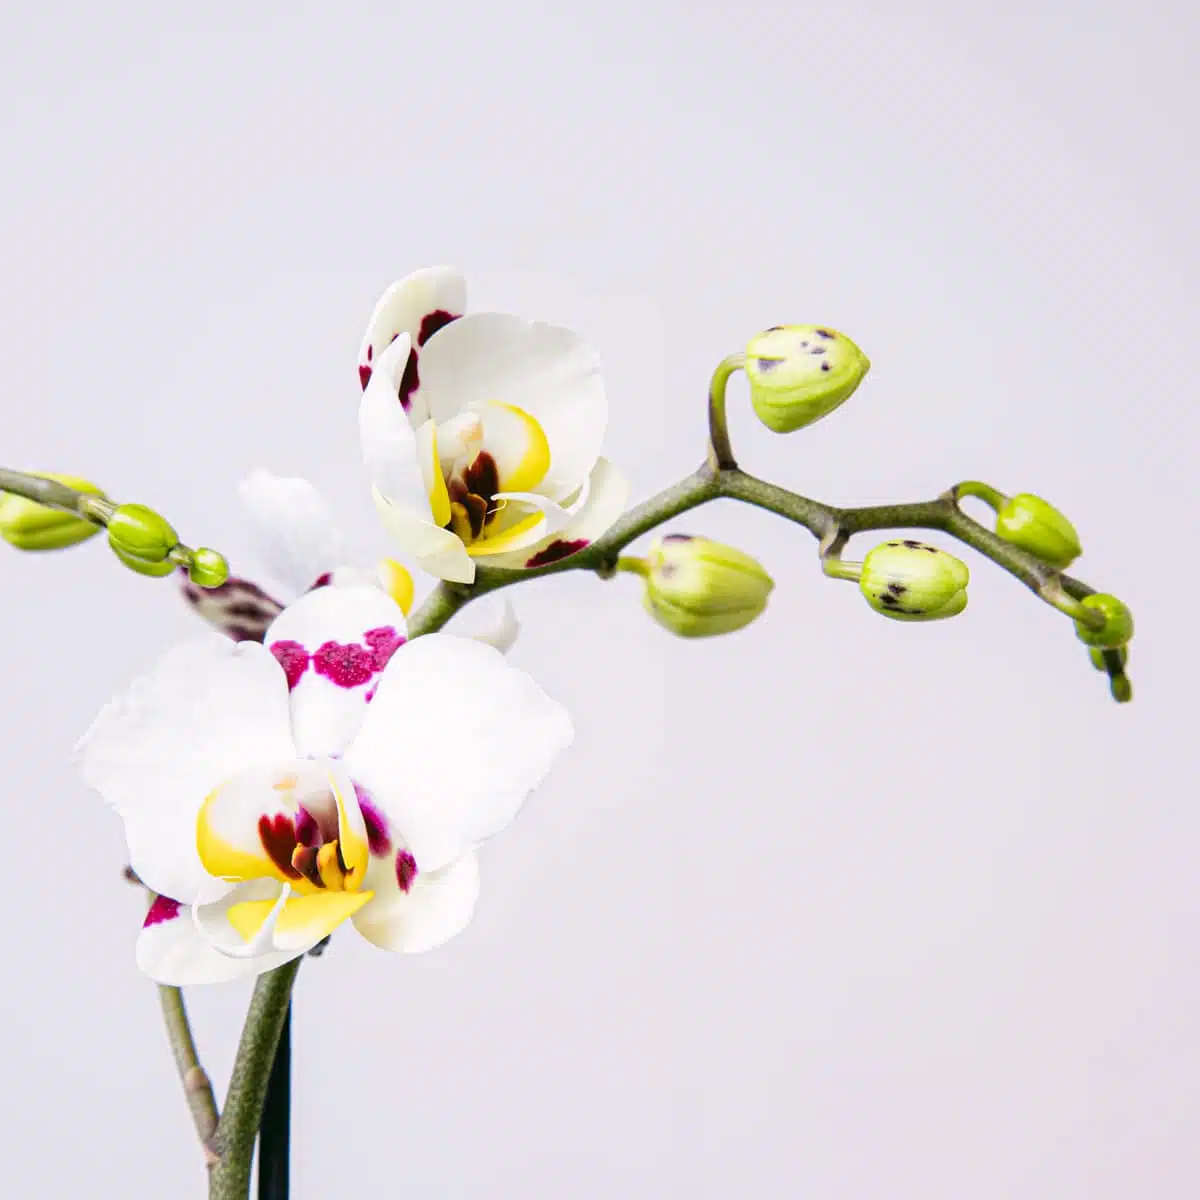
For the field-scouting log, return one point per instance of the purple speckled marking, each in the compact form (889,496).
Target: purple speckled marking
(346,665)
(556,551)
(377,831)
(406,870)
(162,909)
(384,642)
(293,658)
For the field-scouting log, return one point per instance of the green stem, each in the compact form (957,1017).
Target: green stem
(720,449)
(238,1126)
(55,495)
(197,1087)
(991,496)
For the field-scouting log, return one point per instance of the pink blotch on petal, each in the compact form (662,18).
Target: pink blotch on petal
(346,666)
(557,551)
(162,909)
(432,322)
(374,820)
(384,642)
(364,375)
(293,658)
(406,869)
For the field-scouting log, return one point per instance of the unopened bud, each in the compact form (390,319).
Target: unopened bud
(913,581)
(138,532)
(801,373)
(698,588)
(32,526)
(207,569)
(1028,521)
(1118,622)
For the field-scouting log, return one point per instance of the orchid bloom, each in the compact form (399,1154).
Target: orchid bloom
(337,772)
(482,433)
(302,546)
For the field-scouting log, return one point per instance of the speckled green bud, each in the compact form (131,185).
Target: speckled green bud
(32,526)
(1029,522)
(801,373)
(207,568)
(1118,622)
(700,588)
(139,532)
(913,581)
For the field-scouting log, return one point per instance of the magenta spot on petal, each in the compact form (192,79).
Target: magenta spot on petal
(322,581)
(364,375)
(406,870)
(370,353)
(347,666)
(556,551)
(377,830)
(371,694)
(409,381)
(293,658)
(308,832)
(432,322)
(384,642)
(162,909)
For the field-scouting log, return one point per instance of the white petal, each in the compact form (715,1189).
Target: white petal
(547,371)
(208,709)
(389,442)
(605,501)
(415,306)
(171,950)
(294,530)
(334,643)
(437,906)
(454,741)
(491,620)
(438,551)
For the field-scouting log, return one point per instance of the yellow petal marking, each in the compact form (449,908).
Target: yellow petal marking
(356,853)
(313,917)
(501,542)
(431,471)
(398,583)
(535,462)
(226,861)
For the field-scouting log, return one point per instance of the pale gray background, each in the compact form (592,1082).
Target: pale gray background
(834,908)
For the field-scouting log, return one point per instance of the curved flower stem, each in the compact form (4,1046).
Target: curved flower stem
(238,1126)
(829,524)
(197,1087)
(274,1133)
(56,495)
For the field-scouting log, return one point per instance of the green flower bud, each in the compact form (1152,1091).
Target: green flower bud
(1097,657)
(801,373)
(1029,522)
(144,566)
(207,568)
(699,588)
(135,531)
(1118,623)
(32,526)
(912,581)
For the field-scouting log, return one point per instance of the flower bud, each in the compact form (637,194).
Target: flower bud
(32,526)
(207,568)
(1097,657)
(1029,522)
(698,588)
(912,581)
(801,373)
(143,566)
(1118,623)
(138,532)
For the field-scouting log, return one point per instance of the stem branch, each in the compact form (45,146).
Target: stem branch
(197,1087)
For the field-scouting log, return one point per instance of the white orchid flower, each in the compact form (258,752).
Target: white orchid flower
(302,546)
(482,433)
(337,772)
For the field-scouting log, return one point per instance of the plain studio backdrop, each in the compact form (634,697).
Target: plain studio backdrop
(831,908)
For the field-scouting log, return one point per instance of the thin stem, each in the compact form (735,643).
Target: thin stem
(236,1130)
(274,1136)
(51,493)
(197,1087)
(720,449)
(992,497)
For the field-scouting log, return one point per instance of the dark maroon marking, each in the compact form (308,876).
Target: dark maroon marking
(775,329)
(347,666)
(911,544)
(897,589)
(409,381)
(370,353)
(162,908)
(826,367)
(377,829)
(244,633)
(406,870)
(308,832)
(304,860)
(769,364)
(556,551)
(477,511)
(888,599)
(364,375)
(384,642)
(819,350)
(322,581)
(678,537)
(432,322)
(482,477)
(829,337)
(293,658)
(278,837)
(246,610)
